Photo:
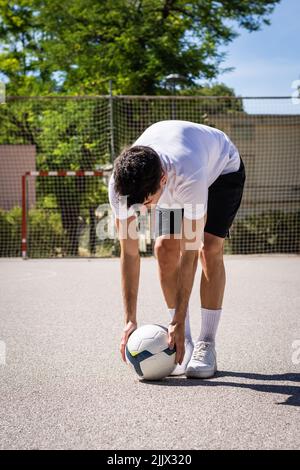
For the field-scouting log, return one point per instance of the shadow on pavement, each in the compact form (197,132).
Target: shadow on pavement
(284,389)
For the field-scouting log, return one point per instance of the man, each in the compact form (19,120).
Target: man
(194,177)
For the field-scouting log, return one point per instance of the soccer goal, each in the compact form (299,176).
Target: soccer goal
(66,213)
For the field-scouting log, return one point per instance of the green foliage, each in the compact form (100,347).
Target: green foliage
(216,89)
(76,46)
(271,232)
(10,232)
(46,237)
(142,112)
(67,134)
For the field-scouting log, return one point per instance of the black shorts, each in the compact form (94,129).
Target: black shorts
(224,199)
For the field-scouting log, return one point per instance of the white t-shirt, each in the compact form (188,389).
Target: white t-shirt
(193,156)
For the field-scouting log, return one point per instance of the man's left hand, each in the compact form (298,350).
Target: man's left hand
(176,339)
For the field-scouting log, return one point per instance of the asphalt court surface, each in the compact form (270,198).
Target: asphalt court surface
(63,385)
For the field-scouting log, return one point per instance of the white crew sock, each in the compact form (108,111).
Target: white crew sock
(209,324)
(188,334)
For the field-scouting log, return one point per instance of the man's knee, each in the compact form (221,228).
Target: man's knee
(213,249)
(167,251)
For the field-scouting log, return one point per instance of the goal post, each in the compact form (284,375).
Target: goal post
(24,216)
(66,213)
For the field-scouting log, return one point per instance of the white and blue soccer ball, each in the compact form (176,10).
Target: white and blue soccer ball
(148,352)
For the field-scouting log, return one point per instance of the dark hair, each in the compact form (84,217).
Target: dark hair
(137,174)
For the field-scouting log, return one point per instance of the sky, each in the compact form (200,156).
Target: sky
(267,62)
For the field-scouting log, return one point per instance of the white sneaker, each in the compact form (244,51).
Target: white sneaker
(181,368)
(203,364)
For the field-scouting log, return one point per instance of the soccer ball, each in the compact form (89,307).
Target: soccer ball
(148,353)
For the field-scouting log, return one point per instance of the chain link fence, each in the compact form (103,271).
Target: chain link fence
(70,215)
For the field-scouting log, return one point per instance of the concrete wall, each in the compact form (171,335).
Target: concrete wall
(270,147)
(15,160)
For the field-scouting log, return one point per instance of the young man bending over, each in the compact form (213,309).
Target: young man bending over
(194,177)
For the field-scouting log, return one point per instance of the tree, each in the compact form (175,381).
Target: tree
(76,46)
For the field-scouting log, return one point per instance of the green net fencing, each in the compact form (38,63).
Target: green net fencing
(70,215)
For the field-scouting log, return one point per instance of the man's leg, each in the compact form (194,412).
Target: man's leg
(204,363)
(213,272)
(167,252)
(212,285)
(224,199)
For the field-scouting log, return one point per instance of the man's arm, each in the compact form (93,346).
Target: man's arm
(192,234)
(130,272)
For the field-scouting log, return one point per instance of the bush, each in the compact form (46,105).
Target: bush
(45,234)
(10,232)
(271,232)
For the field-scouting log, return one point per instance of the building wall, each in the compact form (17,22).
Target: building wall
(15,160)
(270,148)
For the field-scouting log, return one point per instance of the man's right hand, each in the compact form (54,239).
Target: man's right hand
(129,328)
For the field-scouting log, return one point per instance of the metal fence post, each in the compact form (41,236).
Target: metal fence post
(24,216)
(111,122)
